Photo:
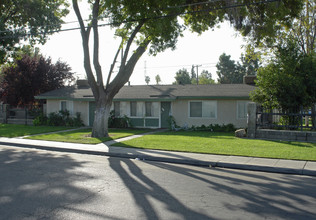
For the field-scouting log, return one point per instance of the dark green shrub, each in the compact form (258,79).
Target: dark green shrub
(61,118)
(118,122)
(55,119)
(77,121)
(229,127)
(40,120)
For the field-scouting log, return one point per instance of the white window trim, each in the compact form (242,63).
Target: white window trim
(189,110)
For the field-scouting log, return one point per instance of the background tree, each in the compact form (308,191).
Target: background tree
(288,82)
(31,76)
(147,79)
(28,19)
(228,71)
(250,62)
(206,78)
(157,78)
(300,36)
(182,77)
(156,24)
(193,75)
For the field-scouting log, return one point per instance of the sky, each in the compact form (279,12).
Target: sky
(192,49)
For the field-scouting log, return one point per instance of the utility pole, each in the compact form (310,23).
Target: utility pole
(145,69)
(197,73)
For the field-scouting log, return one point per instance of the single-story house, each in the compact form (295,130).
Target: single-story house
(151,105)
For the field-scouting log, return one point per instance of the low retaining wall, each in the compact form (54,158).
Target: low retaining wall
(286,135)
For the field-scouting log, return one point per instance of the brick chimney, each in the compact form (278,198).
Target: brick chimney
(250,80)
(82,83)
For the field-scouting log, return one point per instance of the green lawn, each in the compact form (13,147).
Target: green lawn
(84,136)
(223,143)
(11,130)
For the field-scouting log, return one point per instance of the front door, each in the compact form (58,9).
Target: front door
(165,113)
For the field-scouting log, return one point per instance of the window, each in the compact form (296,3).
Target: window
(148,109)
(133,108)
(242,109)
(117,109)
(203,109)
(63,105)
(66,106)
(195,109)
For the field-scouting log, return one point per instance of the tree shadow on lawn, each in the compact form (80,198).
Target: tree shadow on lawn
(206,134)
(231,136)
(295,143)
(37,184)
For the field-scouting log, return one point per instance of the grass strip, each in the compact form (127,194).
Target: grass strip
(12,130)
(83,136)
(223,143)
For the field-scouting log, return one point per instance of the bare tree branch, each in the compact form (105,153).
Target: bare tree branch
(97,66)
(130,41)
(85,43)
(124,74)
(113,64)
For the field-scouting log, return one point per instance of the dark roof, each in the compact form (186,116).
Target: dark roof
(159,92)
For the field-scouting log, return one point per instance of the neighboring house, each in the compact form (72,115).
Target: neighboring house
(151,105)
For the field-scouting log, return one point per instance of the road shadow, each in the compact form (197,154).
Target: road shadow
(37,184)
(275,196)
(144,190)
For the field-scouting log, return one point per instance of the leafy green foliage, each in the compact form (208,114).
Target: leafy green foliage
(147,79)
(157,25)
(118,122)
(288,81)
(182,77)
(157,78)
(228,71)
(206,78)
(61,118)
(28,19)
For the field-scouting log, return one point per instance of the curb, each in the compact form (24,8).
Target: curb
(193,162)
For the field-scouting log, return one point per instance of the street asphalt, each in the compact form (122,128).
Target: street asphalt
(223,161)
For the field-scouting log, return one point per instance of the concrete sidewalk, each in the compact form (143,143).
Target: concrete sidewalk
(235,162)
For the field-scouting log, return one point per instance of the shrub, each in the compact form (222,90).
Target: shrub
(215,127)
(61,118)
(118,122)
(55,119)
(40,120)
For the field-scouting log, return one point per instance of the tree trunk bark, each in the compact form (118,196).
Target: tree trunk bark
(101,117)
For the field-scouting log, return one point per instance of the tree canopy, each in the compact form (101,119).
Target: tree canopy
(206,78)
(147,79)
(288,82)
(30,76)
(157,25)
(31,20)
(158,79)
(182,77)
(228,71)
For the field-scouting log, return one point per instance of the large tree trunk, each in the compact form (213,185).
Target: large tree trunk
(102,112)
